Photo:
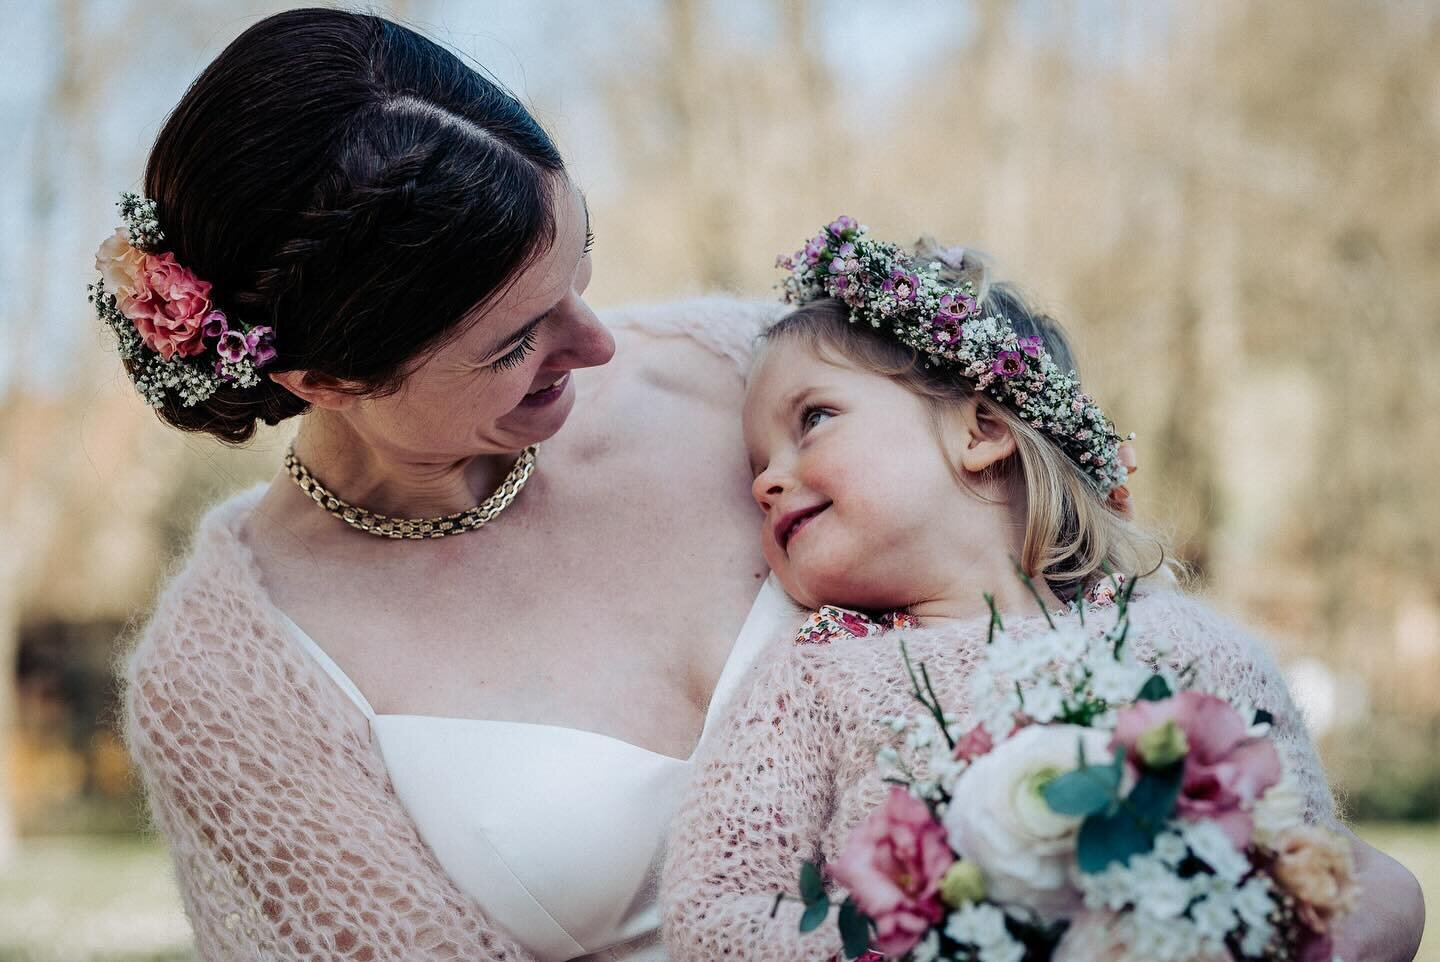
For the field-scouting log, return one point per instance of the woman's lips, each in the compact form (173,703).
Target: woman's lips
(793,527)
(548,395)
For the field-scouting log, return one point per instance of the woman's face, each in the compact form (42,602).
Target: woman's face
(862,508)
(505,382)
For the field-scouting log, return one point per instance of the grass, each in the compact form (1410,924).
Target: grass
(91,899)
(112,899)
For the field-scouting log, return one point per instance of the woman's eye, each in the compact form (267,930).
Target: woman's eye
(517,356)
(813,416)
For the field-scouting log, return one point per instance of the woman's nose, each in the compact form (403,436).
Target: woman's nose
(587,342)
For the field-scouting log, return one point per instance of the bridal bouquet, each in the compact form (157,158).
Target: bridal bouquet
(1091,808)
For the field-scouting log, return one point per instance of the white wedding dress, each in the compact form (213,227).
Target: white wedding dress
(557,833)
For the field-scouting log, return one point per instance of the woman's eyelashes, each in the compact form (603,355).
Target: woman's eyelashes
(589,242)
(518,354)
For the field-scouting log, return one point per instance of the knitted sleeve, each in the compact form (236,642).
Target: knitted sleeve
(288,841)
(728,326)
(1230,660)
(758,804)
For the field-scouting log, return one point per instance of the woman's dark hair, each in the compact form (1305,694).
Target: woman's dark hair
(353,185)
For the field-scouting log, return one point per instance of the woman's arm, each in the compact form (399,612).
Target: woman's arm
(758,804)
(1391,917)
(288,841)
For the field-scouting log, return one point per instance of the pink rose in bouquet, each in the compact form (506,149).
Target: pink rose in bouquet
(892,866)
(1225,769)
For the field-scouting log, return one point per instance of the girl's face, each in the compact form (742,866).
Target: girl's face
(861,506)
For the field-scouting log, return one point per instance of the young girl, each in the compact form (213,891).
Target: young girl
(913,435)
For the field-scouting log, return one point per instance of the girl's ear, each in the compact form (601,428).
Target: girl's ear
(320,390)
(984,440)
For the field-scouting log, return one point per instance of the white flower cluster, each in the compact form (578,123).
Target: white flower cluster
(983,926)
(1164,916)
(154,376)
(1072,674)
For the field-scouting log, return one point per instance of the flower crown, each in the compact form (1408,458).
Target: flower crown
(169,331)
(903,295)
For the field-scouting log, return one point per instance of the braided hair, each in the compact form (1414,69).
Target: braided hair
(353,185)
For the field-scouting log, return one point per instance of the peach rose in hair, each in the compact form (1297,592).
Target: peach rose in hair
(119,263)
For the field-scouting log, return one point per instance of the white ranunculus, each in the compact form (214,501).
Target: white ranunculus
(1281,807)
(1000,820)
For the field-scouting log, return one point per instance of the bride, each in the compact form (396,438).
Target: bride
(433,692)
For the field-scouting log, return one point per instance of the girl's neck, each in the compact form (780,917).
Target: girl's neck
(1011,597)
(996,539)
(391,483)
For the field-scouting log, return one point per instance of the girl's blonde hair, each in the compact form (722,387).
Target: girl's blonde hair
(1072,534)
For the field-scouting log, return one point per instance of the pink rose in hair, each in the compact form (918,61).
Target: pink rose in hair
(168,307)
(892,866)
(1226,770)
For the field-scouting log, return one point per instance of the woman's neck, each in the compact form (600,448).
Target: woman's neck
(392,482)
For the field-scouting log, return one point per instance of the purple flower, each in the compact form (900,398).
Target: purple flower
(904,285)
(1009,364)
(1032,345)
(842,223)
(232,347)
(956,307)
(785,262)
(847,250)
(946,335)
(260,343)
(837,265)
(214,324)
(814,247)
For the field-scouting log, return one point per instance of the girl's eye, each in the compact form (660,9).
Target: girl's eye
(812,416)
(518,354)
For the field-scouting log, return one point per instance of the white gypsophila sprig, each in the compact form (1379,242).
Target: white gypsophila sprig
(982,926)
(141,222)
(1165,915)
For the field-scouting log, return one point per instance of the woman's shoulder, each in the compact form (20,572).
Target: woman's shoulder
(724,327)
(210,602)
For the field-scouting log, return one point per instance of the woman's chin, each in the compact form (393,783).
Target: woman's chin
(531,422)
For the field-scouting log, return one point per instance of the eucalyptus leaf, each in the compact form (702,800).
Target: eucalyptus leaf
(812,883)
(1152,800)
(1111,837)
(854,929)
(1155,689)
(815,913)
(1084,791)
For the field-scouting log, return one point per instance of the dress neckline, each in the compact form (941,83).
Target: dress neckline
(769,602)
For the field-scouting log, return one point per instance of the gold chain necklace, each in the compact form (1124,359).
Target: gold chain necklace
(415,528)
